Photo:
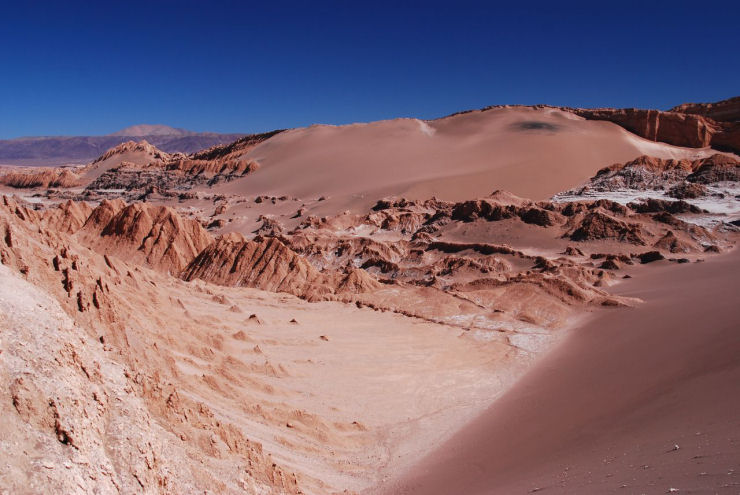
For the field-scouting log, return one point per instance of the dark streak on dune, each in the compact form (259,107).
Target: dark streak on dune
(535,125)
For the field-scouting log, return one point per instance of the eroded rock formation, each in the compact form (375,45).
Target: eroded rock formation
(691,125)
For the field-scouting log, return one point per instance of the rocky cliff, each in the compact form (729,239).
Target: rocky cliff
(690,125)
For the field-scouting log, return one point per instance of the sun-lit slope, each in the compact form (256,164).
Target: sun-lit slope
(641,401)
(138,153)
(533,152)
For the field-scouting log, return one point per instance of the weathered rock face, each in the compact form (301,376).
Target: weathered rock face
(234,149)
(155,234)
(650,256)
(492,210)
(651,164)
(261,263)
(154,168)
(646,172)
(211,168)
(102,214)
(72,408)
(652,205)
(268,264)
(669,242)
(270,226)
(717,168)
(687,190)
(600,226)
(694,127)
(83,418)
(134,169)
(693,131)
(357,281)
(69,217)
(722,111)
(50,177)
(181,174)
(142,146)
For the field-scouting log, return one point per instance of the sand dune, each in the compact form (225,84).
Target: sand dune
(643,400)
(532,152)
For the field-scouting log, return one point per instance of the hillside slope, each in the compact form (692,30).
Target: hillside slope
(532,152)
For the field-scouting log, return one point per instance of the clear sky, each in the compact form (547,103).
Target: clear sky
(95,67)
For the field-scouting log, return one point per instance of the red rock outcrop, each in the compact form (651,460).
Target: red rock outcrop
(68,217)
(722,111)
(669,242)
(674,128)
(212,167)
(156,235)
(50,177)
(717,168)
(652,205)
(102,420)
(492,210)
(235,149)
(650,256)
(262,263)
(358,281)
(600,226)
(270,226)
(102,214)
(647,172)
(650,164)
(691,126)
(687,190)
(154,153)
(152,169)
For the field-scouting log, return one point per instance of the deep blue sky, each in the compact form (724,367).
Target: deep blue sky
(96,67)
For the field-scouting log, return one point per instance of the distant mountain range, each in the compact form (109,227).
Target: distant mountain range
(153,130)
(65,150)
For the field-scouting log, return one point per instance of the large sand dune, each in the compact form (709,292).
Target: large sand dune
(645,401)
(532,152)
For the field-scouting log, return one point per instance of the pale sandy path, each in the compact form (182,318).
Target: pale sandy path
(604,411)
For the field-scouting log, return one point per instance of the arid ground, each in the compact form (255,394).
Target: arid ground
(507,300)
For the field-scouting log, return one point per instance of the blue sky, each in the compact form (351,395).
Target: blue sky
(70,68)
